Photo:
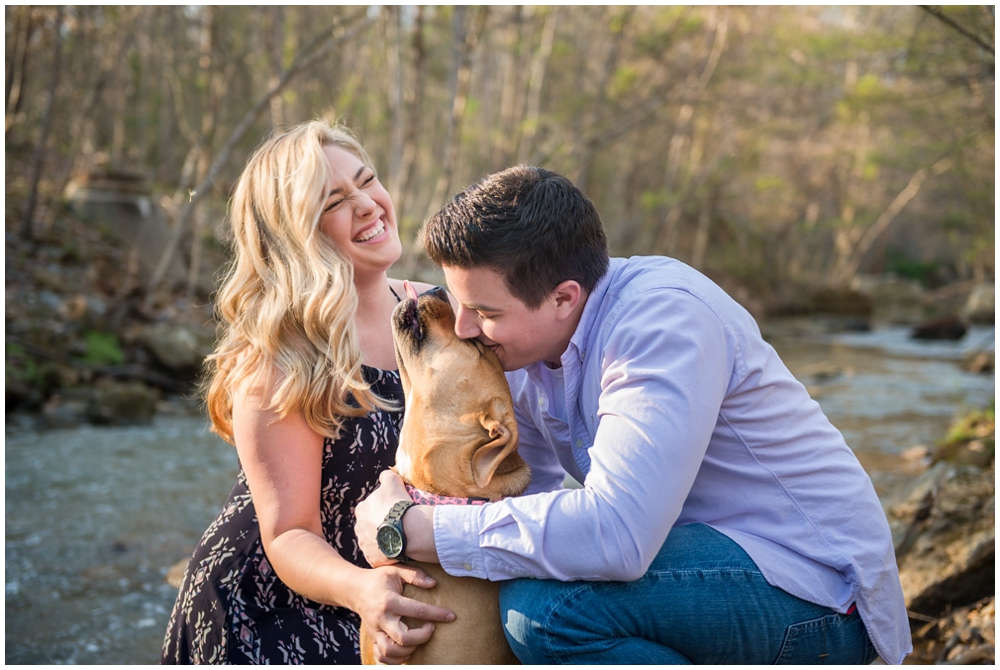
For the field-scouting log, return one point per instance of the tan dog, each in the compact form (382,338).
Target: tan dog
(459,438)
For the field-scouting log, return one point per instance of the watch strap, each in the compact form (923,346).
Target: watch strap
(395,518)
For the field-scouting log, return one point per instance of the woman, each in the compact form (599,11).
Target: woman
(304,383)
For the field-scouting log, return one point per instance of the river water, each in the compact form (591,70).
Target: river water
(96,516)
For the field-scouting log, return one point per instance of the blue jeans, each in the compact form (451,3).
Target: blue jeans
(703,601)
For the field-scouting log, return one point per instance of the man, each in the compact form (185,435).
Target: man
(722,518)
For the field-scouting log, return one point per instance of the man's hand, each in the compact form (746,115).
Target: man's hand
(370,513)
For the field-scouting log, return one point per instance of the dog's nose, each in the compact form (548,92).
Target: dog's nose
(438,292)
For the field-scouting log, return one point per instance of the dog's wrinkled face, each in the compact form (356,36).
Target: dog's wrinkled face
(459,435)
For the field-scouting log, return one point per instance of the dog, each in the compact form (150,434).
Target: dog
(458,439)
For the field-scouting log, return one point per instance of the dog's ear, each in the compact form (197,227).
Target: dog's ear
(502,430)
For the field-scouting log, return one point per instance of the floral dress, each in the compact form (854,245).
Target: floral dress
(233,608)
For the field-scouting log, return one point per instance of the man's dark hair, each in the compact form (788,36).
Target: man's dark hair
(531,225)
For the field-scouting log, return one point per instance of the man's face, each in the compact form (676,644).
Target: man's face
(489,313)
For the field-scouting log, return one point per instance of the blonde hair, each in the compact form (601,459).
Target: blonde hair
(288,301)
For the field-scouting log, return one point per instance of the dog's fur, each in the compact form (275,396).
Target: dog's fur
(459,438)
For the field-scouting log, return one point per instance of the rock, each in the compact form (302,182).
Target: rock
(979,308)
(88,311)
(178,347)
(60,411)
(842,301)
(121,204)
(964,637)
(982,362)
(894,300)
(945,537)
(948,327)
(122,404)
(175,574)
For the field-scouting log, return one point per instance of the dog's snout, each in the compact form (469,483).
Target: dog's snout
(437,292)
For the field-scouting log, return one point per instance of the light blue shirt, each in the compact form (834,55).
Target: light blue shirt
(677,411)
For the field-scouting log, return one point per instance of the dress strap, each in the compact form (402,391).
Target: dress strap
(398,299)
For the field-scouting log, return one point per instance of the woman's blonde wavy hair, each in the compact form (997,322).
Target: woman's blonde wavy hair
(288,301)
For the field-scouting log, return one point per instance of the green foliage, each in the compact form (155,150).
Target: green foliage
(910,268)
(971,438)
(18,366)
(767,182)
(102,348)
(624,80)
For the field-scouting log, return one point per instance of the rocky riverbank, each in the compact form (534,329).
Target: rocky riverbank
(82,344)
(944,528)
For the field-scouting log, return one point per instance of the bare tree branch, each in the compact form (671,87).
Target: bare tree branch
(943,18)
(849,263)
(309,56)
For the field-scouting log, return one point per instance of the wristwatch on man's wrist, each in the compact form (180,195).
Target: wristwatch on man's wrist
(390,536)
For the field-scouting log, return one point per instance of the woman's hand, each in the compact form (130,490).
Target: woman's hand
(381,606)
(371,511)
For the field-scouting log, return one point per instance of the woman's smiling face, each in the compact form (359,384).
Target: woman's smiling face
(357,213)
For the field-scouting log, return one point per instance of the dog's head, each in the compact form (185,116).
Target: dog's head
(459,435)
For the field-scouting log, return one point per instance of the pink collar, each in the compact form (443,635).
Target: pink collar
(425,498)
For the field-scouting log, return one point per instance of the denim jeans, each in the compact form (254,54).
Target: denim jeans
(703,600)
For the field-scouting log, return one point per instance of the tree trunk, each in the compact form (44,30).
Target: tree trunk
(700,245)
(533,107)
(18,64)
(394,98)
(277,62)
(411,134)
(465,40)
(217,88)
(38,161)
(680,179)
(594,115)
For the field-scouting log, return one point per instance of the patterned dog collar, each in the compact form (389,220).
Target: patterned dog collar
(425,498)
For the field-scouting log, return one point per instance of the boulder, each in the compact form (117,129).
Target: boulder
(979,308)
(121,205)
(842,301)
(948,327)
(179,347)
(894,300)
(121,404)
(945,536)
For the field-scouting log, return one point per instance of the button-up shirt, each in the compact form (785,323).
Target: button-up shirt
(677,411)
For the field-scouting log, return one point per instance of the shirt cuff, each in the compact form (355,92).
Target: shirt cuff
(456,537)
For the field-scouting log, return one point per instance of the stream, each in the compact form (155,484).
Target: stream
(96,516)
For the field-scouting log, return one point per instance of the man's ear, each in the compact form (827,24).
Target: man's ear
(567,296)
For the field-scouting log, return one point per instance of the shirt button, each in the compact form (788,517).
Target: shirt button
(579,443)
(468,568)
(541,402)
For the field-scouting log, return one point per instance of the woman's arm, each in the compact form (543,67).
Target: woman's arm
(282,460)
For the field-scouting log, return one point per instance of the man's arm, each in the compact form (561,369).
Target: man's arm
(665,369)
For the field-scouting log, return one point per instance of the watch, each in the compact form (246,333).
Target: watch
(390,536)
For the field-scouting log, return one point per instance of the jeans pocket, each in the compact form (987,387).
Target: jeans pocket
(831,639)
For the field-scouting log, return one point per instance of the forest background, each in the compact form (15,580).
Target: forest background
(796,155)
(777,149)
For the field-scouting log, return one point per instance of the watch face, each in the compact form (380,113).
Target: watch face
(389,541)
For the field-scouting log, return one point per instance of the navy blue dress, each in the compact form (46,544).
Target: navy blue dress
(233,608)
